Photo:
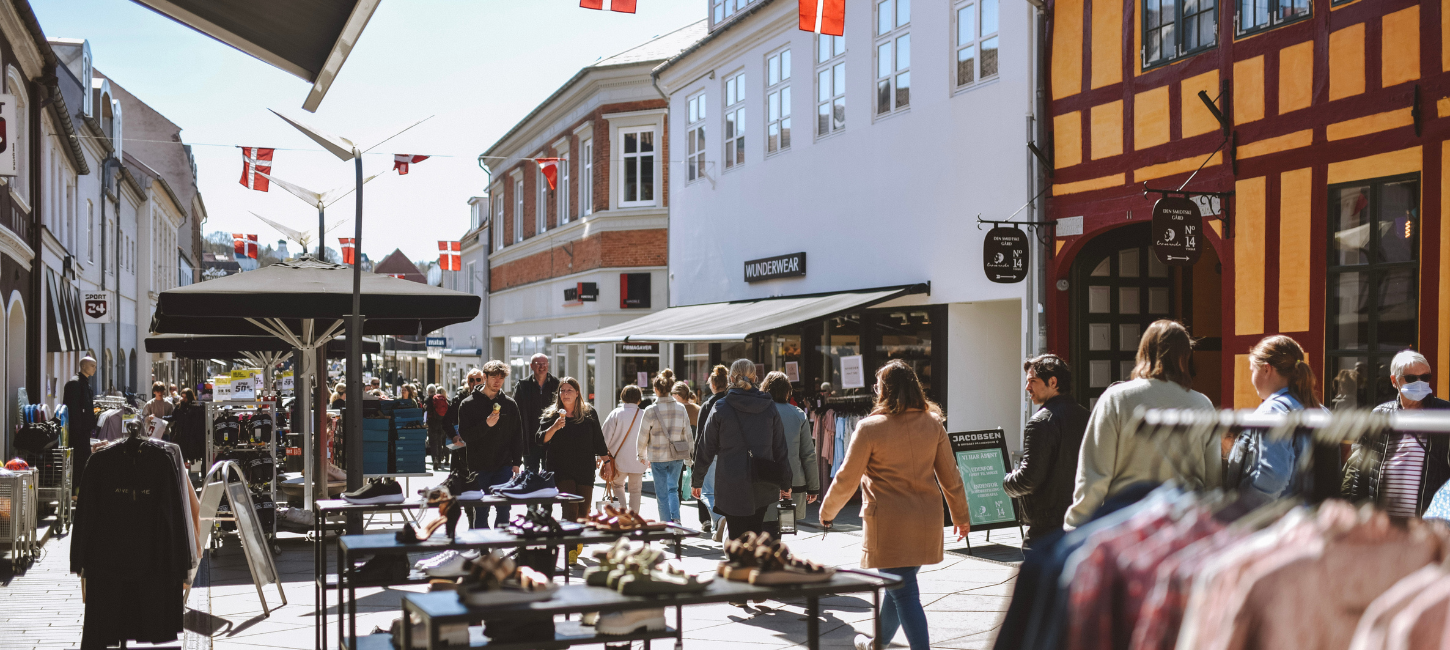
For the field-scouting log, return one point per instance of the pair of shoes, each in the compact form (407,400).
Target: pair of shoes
(528,484)
(495,578)
(448,564)
(776,566)
(534,524)
(295,517)
(382,569)
(609,559)
(458,486)
(451,634)
(668,577)
(382,490)
(740,557)
(619,520)
(617,623)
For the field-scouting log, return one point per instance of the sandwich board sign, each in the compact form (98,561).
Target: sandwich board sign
(983,461)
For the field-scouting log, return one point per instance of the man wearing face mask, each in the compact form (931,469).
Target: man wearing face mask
(1401,472)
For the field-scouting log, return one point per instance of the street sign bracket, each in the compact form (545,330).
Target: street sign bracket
(1223,214)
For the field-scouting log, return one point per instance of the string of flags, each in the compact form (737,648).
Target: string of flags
(450,257)
(826,17)
(621,6)
(402,160)
(347,249)
(549,167)
(257,166)
(245,245)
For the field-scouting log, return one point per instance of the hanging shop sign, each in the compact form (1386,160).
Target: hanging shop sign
(792,265)
(437,341)
(634,290)
(636,348)
(1177,231)
(1005,254)
(581,293)
(96,306)
(9,153)
(982,460)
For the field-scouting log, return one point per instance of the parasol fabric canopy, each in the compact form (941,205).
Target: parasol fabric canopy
(222,346)
(307,289)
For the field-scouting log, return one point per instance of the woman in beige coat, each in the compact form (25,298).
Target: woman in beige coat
(903,454)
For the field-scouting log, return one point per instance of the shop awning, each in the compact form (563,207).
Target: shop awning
(67,331)
(734,321)
(307,38)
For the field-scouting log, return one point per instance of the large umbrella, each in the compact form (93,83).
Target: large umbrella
(304,304)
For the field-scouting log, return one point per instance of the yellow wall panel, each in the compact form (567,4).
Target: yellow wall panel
(1296,190)
(1089,185)
(1249,89)
(1444,334)
(1400,47)
(1244,395)
(1067,139)
(1369,124)
(1067,48)
(1107,42)
(1346,62)
(1444,38)
(1296,76)
(1392,163)
(1248,262)
(1180,166)
(1196,118)
(1276,144)
(1150,118)
(1107,129)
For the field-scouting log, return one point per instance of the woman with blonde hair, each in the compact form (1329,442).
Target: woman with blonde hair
(898,457)
(572,441)
(665,443)
(1284,381)
(339,396)
(682,394)
(745,436)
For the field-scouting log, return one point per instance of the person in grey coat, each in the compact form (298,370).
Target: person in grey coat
(745,430)
(804,466)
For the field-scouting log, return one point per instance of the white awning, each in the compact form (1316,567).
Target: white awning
(731,321)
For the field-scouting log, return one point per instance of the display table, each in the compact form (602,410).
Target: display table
(441,608)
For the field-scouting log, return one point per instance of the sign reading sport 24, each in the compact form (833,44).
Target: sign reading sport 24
(97,307)
(792,265)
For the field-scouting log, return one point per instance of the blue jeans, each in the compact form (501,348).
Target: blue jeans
(667,488)
(478,516)
(902,610)
(708,494)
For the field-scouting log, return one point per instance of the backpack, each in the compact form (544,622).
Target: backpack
(440,405)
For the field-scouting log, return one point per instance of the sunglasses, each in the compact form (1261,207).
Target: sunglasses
(1409,378)
(474,380)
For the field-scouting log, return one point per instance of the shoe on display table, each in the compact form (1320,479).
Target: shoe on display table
(668,577)
(452,634)
(495,579)
(529,485)
(631,621)
(448,564)
(776,566)
(382,490)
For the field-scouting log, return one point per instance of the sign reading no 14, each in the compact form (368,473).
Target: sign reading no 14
(1177,231)
(1005,254)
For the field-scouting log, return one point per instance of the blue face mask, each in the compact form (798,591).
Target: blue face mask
(1415,391)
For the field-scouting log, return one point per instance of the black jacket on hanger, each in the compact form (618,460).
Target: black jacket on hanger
(130,545)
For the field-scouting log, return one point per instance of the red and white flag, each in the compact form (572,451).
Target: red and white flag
(400,276)
(622,6)
(347,249)
(244,245)
(256,159)
(823,16)
(550,168)
(402,160)
(449,256)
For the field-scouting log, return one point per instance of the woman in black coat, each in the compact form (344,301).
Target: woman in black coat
(745,432)
(572,439)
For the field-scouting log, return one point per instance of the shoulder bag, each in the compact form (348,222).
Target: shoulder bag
(607,469)
(766,470)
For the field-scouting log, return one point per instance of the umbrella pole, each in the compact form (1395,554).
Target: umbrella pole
(352,423)
(320,420)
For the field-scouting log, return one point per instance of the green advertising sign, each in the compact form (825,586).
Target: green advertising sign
(982,461)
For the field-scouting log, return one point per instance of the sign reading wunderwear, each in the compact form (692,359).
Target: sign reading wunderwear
(792,265)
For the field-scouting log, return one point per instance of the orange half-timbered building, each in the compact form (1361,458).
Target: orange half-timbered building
(1335,153)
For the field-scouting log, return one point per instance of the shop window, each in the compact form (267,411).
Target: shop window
(1259,15)
(497,224)
(893,56)
(976,45)
(563,193)
(830,84)
(695,138)
(1372,287)
(906,335)
(782,352)
(637,187)
(735,121)
(777,102)
(1173,30)
(693,366)
(840,337)
(586,178)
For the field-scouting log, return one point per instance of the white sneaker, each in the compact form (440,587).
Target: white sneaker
(471,495)
(448,564)
(296,517)
(631,621)
(864,642)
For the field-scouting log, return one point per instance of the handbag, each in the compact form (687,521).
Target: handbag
(607,469)
(766,470)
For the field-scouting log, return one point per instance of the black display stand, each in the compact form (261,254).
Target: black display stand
(986,446)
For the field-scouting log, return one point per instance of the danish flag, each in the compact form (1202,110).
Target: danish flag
(449,257)
(823,16)
(400,276)
(254,160)
(347,249)
(244,245)
(622,6)
(550,168)
(402,160)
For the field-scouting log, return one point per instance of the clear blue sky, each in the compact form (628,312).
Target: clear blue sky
(478,65)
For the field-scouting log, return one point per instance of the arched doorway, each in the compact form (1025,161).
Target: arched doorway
(1119,288)
(131,378)
(120,385)
(15,349)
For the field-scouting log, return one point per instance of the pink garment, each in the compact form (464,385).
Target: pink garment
(1139,567)
(824,432)
(1421,623)
(1161,615)
(1370,633)
(1096,598)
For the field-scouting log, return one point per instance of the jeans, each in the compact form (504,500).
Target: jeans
(478,516)
(667,488)
(707,494)
(902,610)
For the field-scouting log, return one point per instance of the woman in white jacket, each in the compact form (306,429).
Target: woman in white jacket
(621,432)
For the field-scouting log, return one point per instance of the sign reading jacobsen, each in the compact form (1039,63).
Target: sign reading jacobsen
(1177,231)
(982,461)
(1005,254)
(792,265)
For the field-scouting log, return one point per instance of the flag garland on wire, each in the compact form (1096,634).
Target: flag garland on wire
(621,6)
(402,160)
(823,16)
(449,256)
(550,168)
(347,249)
(256,159)
(244,245)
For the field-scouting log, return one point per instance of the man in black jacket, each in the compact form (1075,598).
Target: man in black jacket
(492,430)
(533,395)
(1043,480)
(80,402)
(1418,464)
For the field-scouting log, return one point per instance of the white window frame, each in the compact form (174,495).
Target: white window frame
(967,41)
(732,149)
(497,223)
(695,113)
(777,101)
(890,43)
(627,159)
(586,178)
(20,138)
(472,271)
(562,196)
(723,9)
(518,208)
(830,84)
(541,201)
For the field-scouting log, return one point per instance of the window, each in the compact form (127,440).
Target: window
(586,178)
(893,55)
(1259,15)
(777,102)
(638,158)
(563,193)
(976,41)
(735,121)
(695,138)
(1173,30)
(830,84)
(497,225)
(21,183)
(723,9)
(541,202)
(518,210)
(1372,296)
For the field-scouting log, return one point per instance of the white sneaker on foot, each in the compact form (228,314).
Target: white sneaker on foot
(864,642)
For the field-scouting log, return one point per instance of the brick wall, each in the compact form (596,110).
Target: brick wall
(609,249)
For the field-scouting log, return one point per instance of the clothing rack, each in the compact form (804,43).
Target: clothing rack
(255,407)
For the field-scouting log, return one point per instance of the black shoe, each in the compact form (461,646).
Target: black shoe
(379,491)
(514,482)
(531,486)
(382,569)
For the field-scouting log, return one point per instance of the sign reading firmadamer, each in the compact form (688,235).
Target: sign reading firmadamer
(792,265)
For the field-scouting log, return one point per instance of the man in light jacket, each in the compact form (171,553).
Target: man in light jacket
(801,447)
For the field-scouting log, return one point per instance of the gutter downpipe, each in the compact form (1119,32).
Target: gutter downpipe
(105,183)
(483,340)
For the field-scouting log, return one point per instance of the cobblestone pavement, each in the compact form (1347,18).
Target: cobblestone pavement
(964,598)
